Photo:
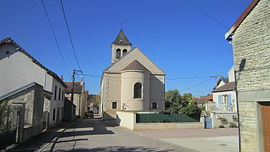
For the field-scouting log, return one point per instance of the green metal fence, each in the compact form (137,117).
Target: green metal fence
(157,118)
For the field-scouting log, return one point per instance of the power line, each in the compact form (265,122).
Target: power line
(172,78)
(198,84)
(54,36)
(70,38)
(206,14)
(184,78)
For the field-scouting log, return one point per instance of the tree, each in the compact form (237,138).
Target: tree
(192,110)
(172,98)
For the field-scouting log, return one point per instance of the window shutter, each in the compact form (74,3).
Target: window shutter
(219,99)
(229,99)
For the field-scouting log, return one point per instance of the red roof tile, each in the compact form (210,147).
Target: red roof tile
(77,87)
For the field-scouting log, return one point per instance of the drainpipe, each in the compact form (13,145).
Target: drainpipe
(237,103)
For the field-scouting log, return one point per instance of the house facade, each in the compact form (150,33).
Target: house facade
(224,94)
(19,68)
(79,99)
(132,82)
(250,39)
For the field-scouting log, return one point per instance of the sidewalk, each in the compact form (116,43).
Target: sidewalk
(38,142)
(200,140)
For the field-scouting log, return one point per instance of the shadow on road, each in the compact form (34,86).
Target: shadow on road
(78,128)
(120,149)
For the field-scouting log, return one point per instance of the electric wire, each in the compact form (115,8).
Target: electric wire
(54,36)
(198,84)
(69,35)
(206,14)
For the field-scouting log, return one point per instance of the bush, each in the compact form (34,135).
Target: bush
(164,112)
(192,110)
(221,126)
(223,121)
(232,125)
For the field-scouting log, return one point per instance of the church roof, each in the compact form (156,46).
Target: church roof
(121,39)
(135,65)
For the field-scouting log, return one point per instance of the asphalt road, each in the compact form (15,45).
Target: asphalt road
(96,136)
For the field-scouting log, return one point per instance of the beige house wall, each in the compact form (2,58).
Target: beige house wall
(251,43)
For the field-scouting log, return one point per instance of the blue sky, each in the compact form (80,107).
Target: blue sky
(179,38)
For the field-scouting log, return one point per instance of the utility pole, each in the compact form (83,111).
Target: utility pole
(73,80)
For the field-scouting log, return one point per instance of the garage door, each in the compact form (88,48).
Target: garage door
(265,113)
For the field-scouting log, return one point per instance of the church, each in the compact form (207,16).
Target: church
(132,82)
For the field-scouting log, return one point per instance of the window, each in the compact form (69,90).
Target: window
(124,52)
(154,105)
(137,90)
(55,92)
(118,54)
(114,105)
(59,96)
(63,95)
(225,99)
(53,114)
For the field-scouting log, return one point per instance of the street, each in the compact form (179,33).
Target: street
(95,135)
(201,140)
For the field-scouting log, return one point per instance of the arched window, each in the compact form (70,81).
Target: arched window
(118,54)
(124,52)
(138,90)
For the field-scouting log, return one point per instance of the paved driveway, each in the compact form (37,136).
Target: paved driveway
(94,136)
(201,140)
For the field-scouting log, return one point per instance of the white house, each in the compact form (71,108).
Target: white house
(132,82)
(224,94)
(18,68)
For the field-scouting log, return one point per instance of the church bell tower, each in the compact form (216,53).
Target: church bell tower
(120,46)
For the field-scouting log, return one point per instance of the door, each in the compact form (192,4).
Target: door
(265,112)
(58,115)
(208,122)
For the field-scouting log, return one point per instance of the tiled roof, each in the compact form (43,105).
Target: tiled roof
(77,87)
(11,41)
(121,39)
(135,65)
(241,19)
(205,99)
(230,86)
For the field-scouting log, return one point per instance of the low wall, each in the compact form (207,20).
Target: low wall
(128,120)
(140,126)
(229,116)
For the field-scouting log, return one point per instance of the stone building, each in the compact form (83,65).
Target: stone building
(21,114)
(80,97)
(250,39)
(132,82)
(18,68)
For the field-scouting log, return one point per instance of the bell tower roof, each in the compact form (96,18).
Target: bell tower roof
(122,39)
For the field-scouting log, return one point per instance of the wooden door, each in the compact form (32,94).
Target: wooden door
(265,114)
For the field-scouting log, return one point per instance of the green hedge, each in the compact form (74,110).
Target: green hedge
(157,118)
